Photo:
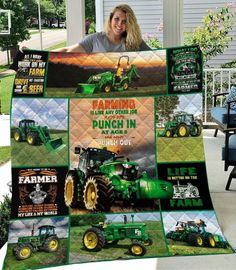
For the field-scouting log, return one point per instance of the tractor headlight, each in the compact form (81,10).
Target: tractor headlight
(96,78)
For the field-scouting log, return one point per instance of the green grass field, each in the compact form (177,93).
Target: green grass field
(180,149)
(24,154)
(57,46)
(37,259)
(5,154)
(141,91)
(120,250)
(182,248)
(6,84)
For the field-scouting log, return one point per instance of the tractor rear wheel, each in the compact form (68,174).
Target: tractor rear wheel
(17,136)
(196,240)
(98,193)
(51,244)
(194,192)
(73,194)
(32,138)
(183,130)
(209,240)
(93,239)
(23,251)
(137,249)
(195,130)
(148,242)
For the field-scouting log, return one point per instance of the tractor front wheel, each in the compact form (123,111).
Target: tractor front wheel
(98,193)
(169,235)
(73,194)
(183,130)
(22,251)
(93,239)
(169,133)
(32,138)
(125,84)
(51,244)
(17,136)
(137,249)
(107,87)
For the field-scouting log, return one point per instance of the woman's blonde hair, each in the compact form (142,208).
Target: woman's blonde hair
(132,35)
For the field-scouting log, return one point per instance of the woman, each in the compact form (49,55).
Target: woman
(122,33)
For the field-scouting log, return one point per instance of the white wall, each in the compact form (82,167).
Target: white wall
(150,15)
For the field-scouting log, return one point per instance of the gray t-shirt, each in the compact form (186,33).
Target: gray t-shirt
(98,42)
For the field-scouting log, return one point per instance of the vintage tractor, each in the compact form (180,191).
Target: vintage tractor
(108,81)
(185,70)
(46,240)
(182,125)
(35,135)
(102,178)
(185,191)
(194,233)
(104,234)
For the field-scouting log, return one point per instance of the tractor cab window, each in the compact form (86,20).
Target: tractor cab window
(101,156)
(188,118)
(46,231)
(43,231)
(82,161)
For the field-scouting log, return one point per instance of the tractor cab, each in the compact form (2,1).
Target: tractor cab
(26,123)
(46,231)
(186,118)
(91,159)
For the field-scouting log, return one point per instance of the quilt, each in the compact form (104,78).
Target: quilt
(108,159)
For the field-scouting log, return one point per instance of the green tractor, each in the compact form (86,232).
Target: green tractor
(104,234)
(35,135)
(186,70)
(108,81)
(194,233)
(182,125)
(46,240)
(102,178)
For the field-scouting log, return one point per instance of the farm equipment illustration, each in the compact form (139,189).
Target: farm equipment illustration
(185,70)
(182,125)
(109,81)
(46,240)
(102,178)
(35,134)
(185,191)
(195,234)
(104,234)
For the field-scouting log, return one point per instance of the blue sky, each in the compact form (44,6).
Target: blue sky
(50,112)
(24,227)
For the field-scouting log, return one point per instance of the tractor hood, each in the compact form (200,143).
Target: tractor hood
(154,189)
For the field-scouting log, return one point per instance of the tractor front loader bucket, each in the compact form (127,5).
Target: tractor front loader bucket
(54,144)
(85,88)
